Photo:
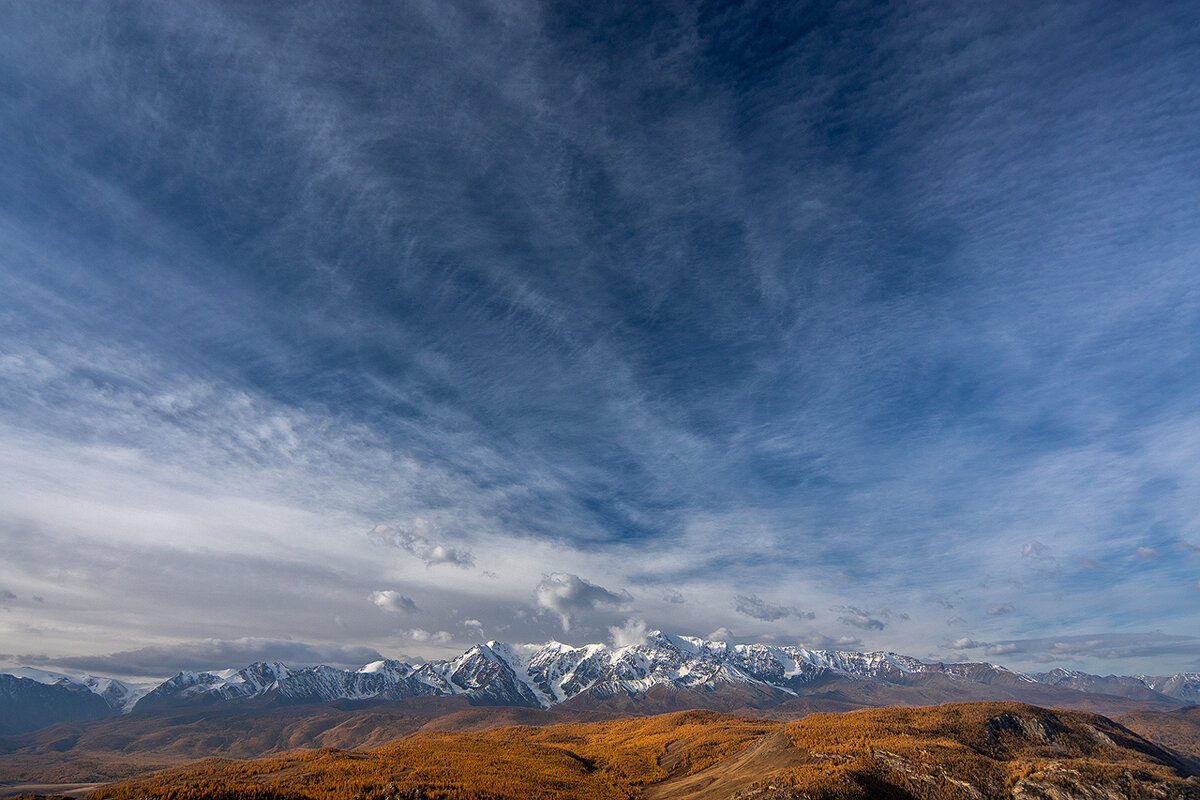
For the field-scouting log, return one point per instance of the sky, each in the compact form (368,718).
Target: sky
(332,331)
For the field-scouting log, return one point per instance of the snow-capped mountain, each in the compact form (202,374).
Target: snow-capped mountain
(1183,686)
(549,674)
(542,675)
(27,704)
(546,675)
(120,696)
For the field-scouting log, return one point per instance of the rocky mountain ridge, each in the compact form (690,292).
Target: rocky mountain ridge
(545,675)
(542,676)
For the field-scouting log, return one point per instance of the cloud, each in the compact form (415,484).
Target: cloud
(632,632)
(819,641)
(863,621)
(1146,552)
(394,602)
(1001,649)
(1107,647)
(209,654)
(673,597)
(421,547)
(1034,550)
(868,620)
(999,609)
(721,634)
(1043,562)
(473,346)
(754,606)
(567,595)
(7,595)
(429,637)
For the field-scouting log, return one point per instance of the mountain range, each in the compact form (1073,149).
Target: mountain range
(556,674)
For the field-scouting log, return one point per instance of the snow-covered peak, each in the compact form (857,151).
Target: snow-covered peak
(551,673)
(387,666)
(41,675)
(120,695)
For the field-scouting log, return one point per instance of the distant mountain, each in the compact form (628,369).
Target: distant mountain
(1183,686)
(119,695)
(598,676)
(32,698)
(27,705)
(546,675)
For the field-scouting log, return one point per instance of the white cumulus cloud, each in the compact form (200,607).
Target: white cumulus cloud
(393,602)
(567,594)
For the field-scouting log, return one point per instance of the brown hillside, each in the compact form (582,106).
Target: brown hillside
(123,746)
(1178,730)
(975,751)
(595,760)
(131,745)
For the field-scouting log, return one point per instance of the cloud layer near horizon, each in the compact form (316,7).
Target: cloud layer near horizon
(401,328)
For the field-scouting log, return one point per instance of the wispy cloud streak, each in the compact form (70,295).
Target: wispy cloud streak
(720,299)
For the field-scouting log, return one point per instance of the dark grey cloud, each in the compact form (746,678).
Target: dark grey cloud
(866,619)
(568,595)
(754,606)
(999,609)
(208,654)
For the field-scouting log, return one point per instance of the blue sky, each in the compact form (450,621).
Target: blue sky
(348,329)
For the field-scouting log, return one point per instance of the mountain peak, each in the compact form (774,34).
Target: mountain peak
(546,674)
